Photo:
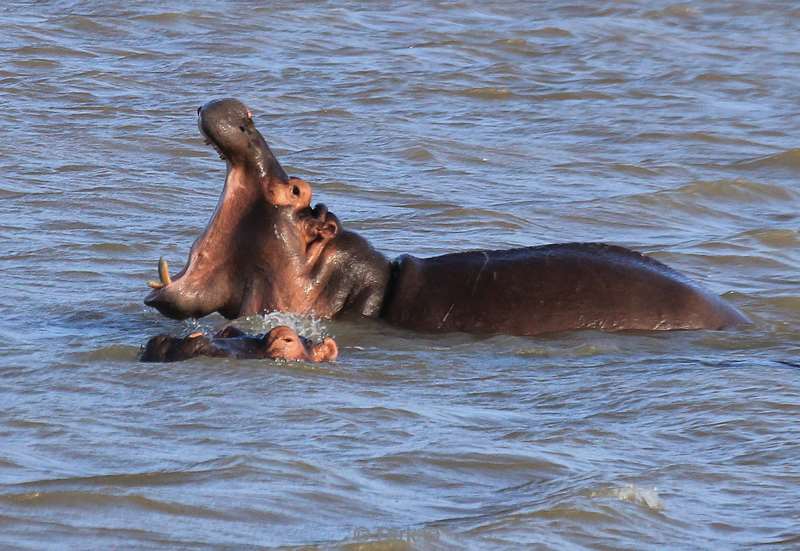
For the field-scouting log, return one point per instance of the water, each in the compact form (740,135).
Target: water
(669,128)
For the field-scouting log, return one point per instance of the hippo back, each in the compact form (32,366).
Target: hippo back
(549,288)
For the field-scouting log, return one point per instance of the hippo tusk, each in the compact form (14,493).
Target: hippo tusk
(163,272)
(155,284)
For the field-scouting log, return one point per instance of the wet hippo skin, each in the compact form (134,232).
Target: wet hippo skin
(266,249)
(549,288)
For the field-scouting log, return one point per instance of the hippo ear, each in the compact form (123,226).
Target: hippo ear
(156,349)
(329,229)
(326,351)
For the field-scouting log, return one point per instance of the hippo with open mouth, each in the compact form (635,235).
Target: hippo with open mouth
(266,249)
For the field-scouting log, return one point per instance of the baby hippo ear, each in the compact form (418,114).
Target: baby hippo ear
(326,351)
(157,348)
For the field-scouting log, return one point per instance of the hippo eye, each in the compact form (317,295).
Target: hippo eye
(295,190)
(241,128)
(287,339)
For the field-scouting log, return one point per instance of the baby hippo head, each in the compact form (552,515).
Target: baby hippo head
(281,343)
(284,343)
(163,348)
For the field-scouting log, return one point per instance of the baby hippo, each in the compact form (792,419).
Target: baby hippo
(281,343)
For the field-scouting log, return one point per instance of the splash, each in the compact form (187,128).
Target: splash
(309,327)
(647,497)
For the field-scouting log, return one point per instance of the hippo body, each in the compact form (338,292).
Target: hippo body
(266,249)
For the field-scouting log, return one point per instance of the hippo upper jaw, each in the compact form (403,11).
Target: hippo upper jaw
(227,125)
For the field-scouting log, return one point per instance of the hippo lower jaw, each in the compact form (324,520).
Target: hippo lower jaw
(176,305)
(194,292)
(171,306)
(165,306)
(175,300)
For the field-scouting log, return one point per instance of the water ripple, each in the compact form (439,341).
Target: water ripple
(666,127)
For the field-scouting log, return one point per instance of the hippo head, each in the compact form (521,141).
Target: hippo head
(243,263)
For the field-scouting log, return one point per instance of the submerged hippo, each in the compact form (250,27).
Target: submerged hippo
(280,343)
(265,248)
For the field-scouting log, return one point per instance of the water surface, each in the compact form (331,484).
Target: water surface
(428,127)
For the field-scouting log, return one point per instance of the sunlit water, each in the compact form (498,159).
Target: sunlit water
(673,129)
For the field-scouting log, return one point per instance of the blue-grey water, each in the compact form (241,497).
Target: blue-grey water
(429,127)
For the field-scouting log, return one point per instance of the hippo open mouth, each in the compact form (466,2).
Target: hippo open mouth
(236,265)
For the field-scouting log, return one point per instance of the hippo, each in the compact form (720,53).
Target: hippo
(280,343)
(266,248)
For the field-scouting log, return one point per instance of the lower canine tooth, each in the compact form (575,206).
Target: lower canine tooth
(163,271)
(155,284)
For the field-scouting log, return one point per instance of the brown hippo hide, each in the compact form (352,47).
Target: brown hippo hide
(546,289)
(280,343)
(266,249)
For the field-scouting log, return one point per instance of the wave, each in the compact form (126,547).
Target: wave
(787,160)
(91,500)
(739,189)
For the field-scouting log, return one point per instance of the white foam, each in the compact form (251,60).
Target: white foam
(631,493)
(311,328)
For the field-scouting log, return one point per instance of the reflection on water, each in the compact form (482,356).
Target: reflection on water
(669,128)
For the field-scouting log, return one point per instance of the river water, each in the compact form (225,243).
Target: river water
(428,127)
